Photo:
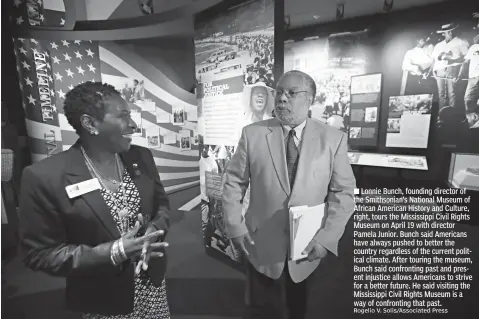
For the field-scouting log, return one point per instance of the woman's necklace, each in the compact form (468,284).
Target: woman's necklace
(97,172)
(123,213)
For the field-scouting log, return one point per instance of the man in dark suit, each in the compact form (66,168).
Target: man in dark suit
(289,160)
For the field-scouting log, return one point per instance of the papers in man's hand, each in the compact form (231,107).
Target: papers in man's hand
(304,223)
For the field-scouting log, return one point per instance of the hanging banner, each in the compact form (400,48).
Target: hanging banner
(234,54)
(38,96)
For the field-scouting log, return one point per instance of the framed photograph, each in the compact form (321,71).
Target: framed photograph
(179,116)
(464,171)
(364,84)
(136,117)
(153,137)
(185,143)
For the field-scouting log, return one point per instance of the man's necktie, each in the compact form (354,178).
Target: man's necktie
(292,155)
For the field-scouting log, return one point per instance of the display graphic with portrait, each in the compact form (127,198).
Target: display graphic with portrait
(331,61)
(234,54)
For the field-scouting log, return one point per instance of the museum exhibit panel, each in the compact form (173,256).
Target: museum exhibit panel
(425,108)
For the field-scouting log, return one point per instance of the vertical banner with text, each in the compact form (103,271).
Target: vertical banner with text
(234,61)
(38,96)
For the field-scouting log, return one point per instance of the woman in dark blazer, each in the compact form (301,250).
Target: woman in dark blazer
(97,213)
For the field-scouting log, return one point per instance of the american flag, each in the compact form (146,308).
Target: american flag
(73,62)
(47,71)
(34,12)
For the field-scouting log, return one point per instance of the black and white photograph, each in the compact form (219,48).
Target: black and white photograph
(179,116)
(185,143)
(355,132)
(443,60)
(371,114)
(229,43)
(394,125)
(331,61)
(407,162)
(410,104)
(153,137)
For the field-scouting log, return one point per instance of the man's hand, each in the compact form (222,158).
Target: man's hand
(239,242)
(315,251)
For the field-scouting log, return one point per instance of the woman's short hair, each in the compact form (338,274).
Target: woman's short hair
(87,98)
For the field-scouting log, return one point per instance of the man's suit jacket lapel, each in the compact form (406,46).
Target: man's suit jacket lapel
(309,145)
(77,172)
(278,153)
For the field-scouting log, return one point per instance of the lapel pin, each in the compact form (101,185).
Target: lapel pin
(136,169)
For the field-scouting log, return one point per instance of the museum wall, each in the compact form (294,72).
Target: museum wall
(379,44)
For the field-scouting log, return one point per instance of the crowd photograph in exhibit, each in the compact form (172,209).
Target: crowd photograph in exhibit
(234,59)
(331,61)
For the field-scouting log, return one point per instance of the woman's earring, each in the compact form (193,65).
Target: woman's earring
(94,133)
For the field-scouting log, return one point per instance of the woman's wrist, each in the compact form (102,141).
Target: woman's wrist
(117,253)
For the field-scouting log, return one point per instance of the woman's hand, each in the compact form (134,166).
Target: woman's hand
(150,248)
(134,246)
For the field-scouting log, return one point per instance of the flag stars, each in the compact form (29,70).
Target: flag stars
(69,72)
(17,3)
(21,86)
(58,76)
(31,100)
(56,60)
(23,51)
(80,70)
(35,51)
(52,93)
(42,17)
(66,43)
(22,40)
(78,55)
(62,21)
(70,87)
(54,45)
(18,68)
(34,41)
(90,52)
(67,57)
(91,67)
(28,82)
(61,94)
(20,20)
(26,65)
(77,42)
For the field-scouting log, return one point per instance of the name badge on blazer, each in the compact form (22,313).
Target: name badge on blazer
(76,190)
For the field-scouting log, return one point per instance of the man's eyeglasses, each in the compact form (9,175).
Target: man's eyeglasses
(290,94)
